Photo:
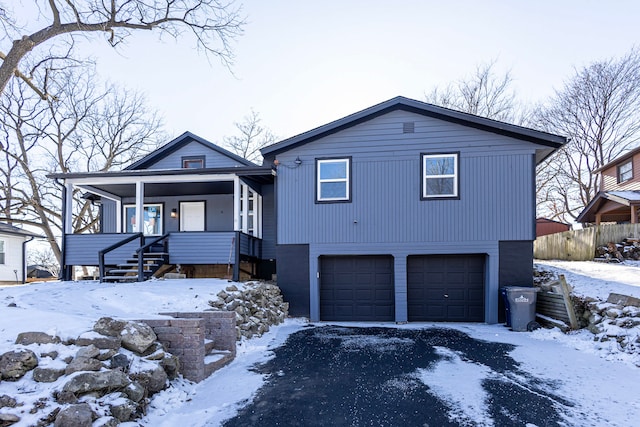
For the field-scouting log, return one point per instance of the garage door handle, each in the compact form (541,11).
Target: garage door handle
(446,296)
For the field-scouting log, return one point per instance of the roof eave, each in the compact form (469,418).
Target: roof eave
(422,108)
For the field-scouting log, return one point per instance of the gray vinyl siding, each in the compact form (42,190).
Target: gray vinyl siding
(213,159)
(386,215)
(268,222)
(108,216)
(82,249)
(496,193)
(202,248)
(185,248)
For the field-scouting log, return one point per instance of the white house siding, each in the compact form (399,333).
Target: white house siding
(13,264)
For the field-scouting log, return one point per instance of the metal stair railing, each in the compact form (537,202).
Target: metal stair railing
(116,245)
(141,250)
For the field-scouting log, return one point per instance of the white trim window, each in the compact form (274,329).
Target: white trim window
(625,171)
(439,176)
(152,219)
(333,180)
(2,261)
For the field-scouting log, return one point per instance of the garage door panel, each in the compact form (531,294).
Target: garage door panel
(357,288)
(445,288)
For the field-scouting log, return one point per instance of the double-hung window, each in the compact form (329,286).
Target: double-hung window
(440,176)
(333,180)
(1,251)
(625,171)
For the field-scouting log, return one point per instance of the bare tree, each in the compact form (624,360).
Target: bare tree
(211,23)
(599,109)
(251,137)
(483,93)
(84,128)
(45,259)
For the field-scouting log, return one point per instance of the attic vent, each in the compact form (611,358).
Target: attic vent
(408,127)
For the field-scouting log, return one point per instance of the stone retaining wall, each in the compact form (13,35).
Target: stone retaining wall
(190,336)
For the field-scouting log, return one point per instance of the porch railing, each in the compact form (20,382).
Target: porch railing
(103,252)
(141,250)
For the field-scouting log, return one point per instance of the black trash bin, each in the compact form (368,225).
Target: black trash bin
(522,308)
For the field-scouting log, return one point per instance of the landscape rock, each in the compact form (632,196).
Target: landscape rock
(124,410)
(102,342)
(47,375)
(28,338)
(120,361)
(135,391)
(7,401)
(65,397)
(97,381)
(258,306)
(137,337)
(171,365)
(51,354)
(8,419)
(109,327)
(154,379)
(83,364)
(15,364)
(90,351)
(106,422)
(79,415)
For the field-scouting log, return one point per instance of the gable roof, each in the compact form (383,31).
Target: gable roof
(619,159)
(406,104)
(10,229)
(624,198)
(180,142)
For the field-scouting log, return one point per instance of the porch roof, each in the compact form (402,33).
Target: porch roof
(614,206)
(166,182)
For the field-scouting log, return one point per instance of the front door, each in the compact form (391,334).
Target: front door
(192,216)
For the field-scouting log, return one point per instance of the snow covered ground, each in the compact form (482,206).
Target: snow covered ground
(603,385)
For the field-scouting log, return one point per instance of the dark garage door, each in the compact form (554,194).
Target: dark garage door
(356,288)
(445,288)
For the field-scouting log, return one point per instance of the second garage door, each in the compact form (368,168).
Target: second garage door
(357,288)
(445,288)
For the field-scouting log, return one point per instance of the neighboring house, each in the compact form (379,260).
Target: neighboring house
(401,212)
(546,226)
(38,272)
(201,208)
(619,198)
(406,211)
(13,241)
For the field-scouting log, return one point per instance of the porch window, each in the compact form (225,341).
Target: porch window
(625,171)
(152,219)
(1,251)
(193,162)
(439,176)
(333,183)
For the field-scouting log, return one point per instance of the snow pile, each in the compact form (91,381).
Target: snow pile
(614,328)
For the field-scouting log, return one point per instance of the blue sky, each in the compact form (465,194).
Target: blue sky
(301,64)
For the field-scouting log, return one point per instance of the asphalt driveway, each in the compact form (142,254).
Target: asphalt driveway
(353,376)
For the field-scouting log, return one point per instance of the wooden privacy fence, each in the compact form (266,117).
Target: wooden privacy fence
(580,245)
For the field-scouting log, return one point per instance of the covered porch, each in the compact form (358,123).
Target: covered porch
(192,217)
(612,207)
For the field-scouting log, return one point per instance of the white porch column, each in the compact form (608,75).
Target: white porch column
(236,203)
(68,209)
(245,208)
(140,206)
(119,215)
